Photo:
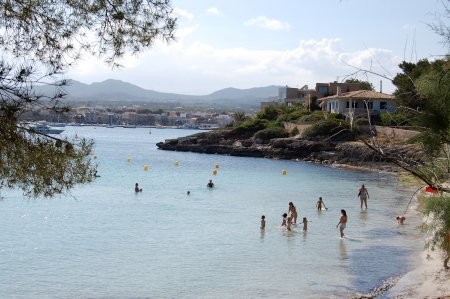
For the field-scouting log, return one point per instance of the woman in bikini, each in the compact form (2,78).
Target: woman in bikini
(293,212)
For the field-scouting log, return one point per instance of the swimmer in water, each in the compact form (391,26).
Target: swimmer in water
(210,184)
(136,188)
(188,193)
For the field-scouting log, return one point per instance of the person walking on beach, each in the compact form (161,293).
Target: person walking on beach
(293,212)
(263,222)
(319,205)
(342,222)
(363,195)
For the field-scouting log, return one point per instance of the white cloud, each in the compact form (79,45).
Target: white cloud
(183,32)
(213,11)
(199,68)
(264,22)
(183,13)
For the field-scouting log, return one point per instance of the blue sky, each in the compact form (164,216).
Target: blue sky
(249,43)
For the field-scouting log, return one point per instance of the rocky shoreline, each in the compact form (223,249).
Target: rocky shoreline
(354,154)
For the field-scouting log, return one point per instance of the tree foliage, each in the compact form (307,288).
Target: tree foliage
(364,85)
(40,40)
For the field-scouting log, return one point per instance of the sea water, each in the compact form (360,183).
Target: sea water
(106,241)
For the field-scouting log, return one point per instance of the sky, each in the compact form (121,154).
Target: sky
(254,43)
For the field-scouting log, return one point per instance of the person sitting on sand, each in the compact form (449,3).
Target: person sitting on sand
(263,222)
(342,222)
(136,188)
(305,224)
(288,223)
(400,219)
(293,212)
(210,184)
(319,204)
(283,223)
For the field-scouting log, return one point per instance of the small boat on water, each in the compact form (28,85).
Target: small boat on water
(44,129)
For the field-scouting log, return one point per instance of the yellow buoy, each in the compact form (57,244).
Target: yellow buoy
(145,167)
(283,172)
(214,172)
(177,163)
(95,157)
(217,165)
(129,159)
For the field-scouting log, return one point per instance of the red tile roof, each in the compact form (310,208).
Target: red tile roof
(361,94)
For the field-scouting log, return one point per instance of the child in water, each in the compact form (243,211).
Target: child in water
(288,223)
(319,205)
(400,219)
(263,222)
(283,223)
(136,188)
(305,224)
(342,222)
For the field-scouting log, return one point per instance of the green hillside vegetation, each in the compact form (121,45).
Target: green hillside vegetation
(269,124)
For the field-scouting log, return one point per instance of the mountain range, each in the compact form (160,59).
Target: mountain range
(119,91)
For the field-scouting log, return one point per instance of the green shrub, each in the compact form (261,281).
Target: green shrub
(269,113)
(312,118)
(251,126)
(336,116)
(325,128)
(294,132)
(386,118)
(293,116)
(270,133)
(362,122)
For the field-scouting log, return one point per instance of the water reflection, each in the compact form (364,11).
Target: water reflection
(262,234)
(342,250)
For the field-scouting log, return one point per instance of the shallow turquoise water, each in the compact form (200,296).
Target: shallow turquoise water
(108,242)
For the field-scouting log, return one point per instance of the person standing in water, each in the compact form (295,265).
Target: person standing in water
(342,222)
(293,212)
(263,222)
(363,195)
(319,205)
(289,223)
(305,224)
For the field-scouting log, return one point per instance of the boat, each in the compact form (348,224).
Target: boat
(44,129)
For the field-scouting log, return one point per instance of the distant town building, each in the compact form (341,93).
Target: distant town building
(306,96)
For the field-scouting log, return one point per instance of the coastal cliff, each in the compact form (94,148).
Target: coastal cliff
(326,151)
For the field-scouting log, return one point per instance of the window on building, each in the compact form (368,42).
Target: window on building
(369,105)
(383,105)
(323,89)
(347,104)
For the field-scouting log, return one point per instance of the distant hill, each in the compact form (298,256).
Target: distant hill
(118,91)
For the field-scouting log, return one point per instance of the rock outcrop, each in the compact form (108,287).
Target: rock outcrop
(321,151)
